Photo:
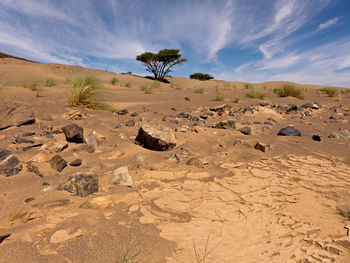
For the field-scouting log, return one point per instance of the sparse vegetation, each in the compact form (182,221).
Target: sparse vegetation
(289,90)
(175,86)
(330,91)
(236,100)
(67,81)
(344,213)
(198,89)
(248,86)
(87,93)
(128,84)
(39,92)
(146,88)
(50,83)
(219,95)
(161,63)
(201,76)
(228,86)
(256,92)
(155,84)
(114,81)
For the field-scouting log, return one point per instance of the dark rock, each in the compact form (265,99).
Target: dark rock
(220,110)
(187,99)
(58,163)
(9,163)
(210,114)
(31,146)
(45,183)
(310,105)
(289,131)
(268,123)
(246,131)
(195,162)
(22,140)
(89,148)
(183,115)
(194,118)
(119,126)
(204,117)
(130,123)
(3,237)
(122,112)
(56,131)
(173,109)
(80,184)
(257,122)
(49,136)
(316,138)
(31,168)
(73,133)
(157,139)
(76,163)
(15,115)
(27,134)
(226,124)
(134,114)
(340,134)
(262,147)
(29,199)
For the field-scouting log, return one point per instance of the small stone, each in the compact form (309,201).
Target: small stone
(58,163)
(289,131)
(122,177)
(9,163)
(246,131)
(134,114)
(187,99)
(31,168)
(49,136)
(62,235)
(262,147)
(18,139)
(118,126)
(130,123)
(73,133)
(89,148)
(56,147)
(183,115)
(29,199)
(172,109)
(158,139)
(73,115)
(27,134)
(45,183)
(122,112)
(222,109)
(81,184)
(195,162)
(225,124)
(76,162)
(316,138)
(31,146)
(91,139)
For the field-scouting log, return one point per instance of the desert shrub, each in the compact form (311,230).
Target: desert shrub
(219,95)
(344,213)
(87,93)
(201,76)
(289,90)
(50,83)
(198,89)
(228,86)
(175,86)
(114,81)
(33,85)
(257,92)
(248,86)
(330,91)
(146,88)
(128,84)
(236,100)
(67,81)
(345,91)
(155,84)
(39,92)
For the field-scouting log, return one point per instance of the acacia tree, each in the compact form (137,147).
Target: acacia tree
(161,64)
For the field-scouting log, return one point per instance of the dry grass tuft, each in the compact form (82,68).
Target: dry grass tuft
(199,90)
(330,91)
(219,95)
(114,81)
(344,213)
(175,86)
(50,83)
(289,90)
(87,93)
(236,100)
(256,92)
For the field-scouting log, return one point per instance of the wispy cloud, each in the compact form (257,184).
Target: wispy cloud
(329,23)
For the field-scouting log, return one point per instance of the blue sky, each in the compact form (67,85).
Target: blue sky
(306,41)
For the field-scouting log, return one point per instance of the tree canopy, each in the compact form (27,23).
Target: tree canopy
(161,63)
(201,76)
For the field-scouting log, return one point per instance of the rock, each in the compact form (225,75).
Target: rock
(89,148)
(195,162)
(100,203)
(15,115)
(130,123)
(310,105)
(62,235)
(183,128)
(31,168)
(222,109)
(204,117)
(56,147)
(183,115)
(194,118)
(122,112)
(3,237)
(340,134)
(73,115)
(27,134)
(122,177)
(29,199)
(58,163)
(31,146)
(76,162)
(246,131)
(45,117)
(81,184)
(19,139)
(262,147)
(73,133)
(91,139)
(316,138)
(289,131)
(187,99)
(119,126)
(173,109)
(157,139)
(268,123)
(134,114)
(9,163)
(226,124)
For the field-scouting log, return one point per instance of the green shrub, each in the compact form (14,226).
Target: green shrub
(256,92)
(33,86)
(114,81)
(198,89)
(175,86)
(248,86)
(146,88)
(330,91)
(87,93)
(219,95)
(128,84)
(289,90)
(201,76)
(50,83)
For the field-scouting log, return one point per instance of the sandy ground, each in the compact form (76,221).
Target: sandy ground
(244,205)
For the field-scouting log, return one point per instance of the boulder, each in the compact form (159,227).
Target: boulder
(57,163)
(289,131)
(15,115)
(9,163)
(195,162)
(122,177)
(262,147)
(157,139)
(226,124)
(340,134)
(89,148)
(80,184)
(73,133)
(55,147)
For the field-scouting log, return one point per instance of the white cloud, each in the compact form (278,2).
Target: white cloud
(328,23)
(279,63)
